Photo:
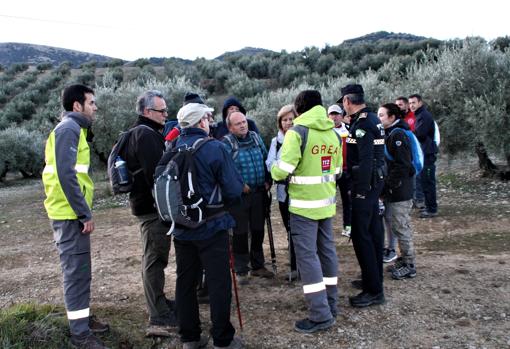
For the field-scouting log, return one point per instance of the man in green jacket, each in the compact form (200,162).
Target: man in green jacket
(311,155)
(69,191)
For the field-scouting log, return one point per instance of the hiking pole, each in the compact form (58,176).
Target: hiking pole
(270,230)
(234,280)
(290,256)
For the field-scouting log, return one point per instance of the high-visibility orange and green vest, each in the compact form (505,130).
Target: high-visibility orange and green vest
(312,184)
(56,203)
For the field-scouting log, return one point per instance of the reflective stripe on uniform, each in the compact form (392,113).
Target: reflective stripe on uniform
(312,179)
(330,281)
(78,314)
(285,166)
(312,203)
(314,287)
(79,168)
(353,141)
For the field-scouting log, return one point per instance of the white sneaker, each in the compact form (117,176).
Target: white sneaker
(347,231)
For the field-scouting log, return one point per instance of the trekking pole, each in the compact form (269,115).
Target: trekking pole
(270,231)
(290,256)
(234,280)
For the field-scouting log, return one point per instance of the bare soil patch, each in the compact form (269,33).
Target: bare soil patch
(460,298)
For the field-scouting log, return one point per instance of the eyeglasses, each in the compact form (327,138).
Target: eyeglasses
(162,111)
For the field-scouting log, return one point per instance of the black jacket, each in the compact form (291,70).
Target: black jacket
(398,185)
(365,151)
(424,130)
(144,149)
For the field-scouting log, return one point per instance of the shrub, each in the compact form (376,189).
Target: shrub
(22,150)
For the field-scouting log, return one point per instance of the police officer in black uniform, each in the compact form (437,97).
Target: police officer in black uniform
(365,162)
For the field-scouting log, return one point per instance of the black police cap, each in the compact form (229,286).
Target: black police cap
(354,89)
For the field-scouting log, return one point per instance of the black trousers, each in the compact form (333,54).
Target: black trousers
(211,254)
(428,182)
(284,212)
(367,236)
(249,217)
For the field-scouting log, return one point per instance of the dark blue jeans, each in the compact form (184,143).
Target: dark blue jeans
(428,182)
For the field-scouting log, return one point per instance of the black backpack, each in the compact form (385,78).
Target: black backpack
(121,183)
(176,193)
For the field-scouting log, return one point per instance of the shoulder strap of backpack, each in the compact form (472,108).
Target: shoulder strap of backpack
(302,131)
(234,144)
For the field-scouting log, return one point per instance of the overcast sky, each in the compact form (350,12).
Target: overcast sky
(191,29)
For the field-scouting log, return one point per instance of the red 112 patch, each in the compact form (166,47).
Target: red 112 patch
(326,163)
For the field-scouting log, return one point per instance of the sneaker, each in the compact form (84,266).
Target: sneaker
(405,271)
(309,326)
(96,326)
(389,255)
(347,231)
(243,279)
(87,342)
(236,343)
(398,263)
(201,343)
(427,214)
(263,273)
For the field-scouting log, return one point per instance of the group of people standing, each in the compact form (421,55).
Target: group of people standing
(308,158)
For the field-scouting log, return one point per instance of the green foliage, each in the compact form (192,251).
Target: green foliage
(32,326)
(22,150)
(44,66)
(117,111)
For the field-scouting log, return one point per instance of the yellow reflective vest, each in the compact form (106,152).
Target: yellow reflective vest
(312,182)
(56,203)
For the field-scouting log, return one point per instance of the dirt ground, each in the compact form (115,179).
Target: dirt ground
(460,298)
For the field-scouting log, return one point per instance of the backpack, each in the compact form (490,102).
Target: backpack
(176,194)
(416,152)
(234,144)
(121,179)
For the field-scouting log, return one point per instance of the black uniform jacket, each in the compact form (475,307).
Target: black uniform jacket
(365,151)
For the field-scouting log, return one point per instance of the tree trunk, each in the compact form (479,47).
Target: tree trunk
(487,166)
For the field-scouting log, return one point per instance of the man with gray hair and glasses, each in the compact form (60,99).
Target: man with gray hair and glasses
(142,153)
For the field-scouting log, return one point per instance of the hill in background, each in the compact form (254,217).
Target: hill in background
(12,52)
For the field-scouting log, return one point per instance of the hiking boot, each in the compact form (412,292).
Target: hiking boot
(398,263)
(418,205)
(243,279)
(163,326)
(292,275)
(309,326)
(88,341)
(357,284)
(389,255)
(404,271)
(263,273)
(96,326)
(365,299)
(170,303)
(236,343)
(201,343)
(427,214)
(347,231)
